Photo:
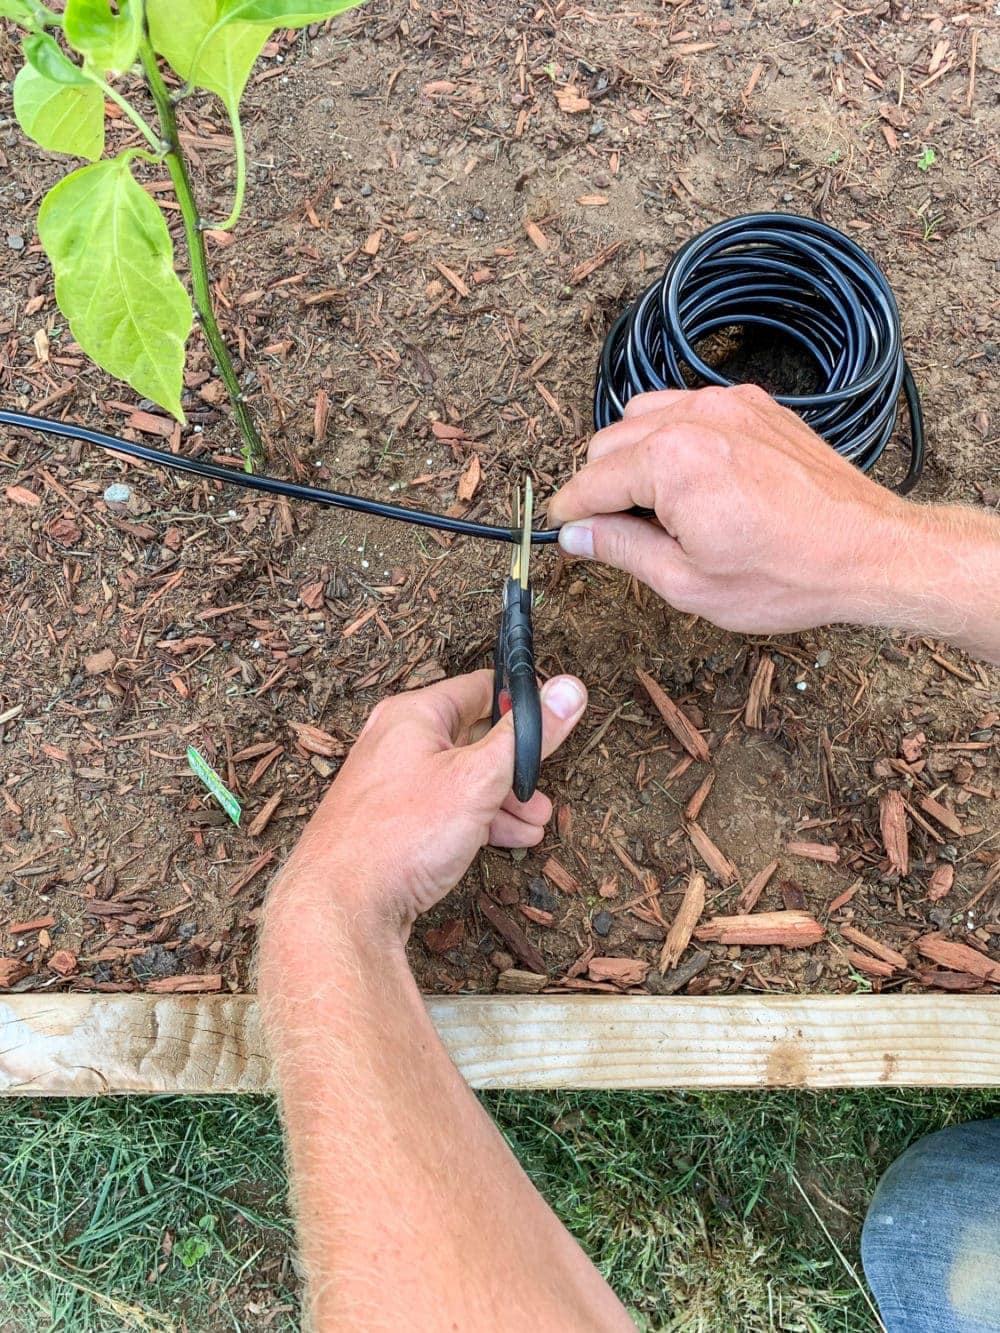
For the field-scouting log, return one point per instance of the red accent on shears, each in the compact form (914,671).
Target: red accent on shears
(504,703)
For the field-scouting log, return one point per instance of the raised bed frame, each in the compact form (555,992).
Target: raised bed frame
(91,1044)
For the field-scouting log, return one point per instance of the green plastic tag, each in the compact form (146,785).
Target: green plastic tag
(206,774)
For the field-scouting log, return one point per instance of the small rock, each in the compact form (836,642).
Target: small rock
(597,129)
(541,896)
(601,924)
(365,190)
(117,496)
(154,962)
(477,214)
(15,241)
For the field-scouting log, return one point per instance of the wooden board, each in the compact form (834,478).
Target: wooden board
(57,1045)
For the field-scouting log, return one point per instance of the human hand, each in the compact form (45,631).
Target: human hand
(425,786)
(762,526)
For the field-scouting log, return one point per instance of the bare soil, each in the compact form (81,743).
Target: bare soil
(385,267)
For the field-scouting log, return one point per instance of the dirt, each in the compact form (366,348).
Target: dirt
(400,150)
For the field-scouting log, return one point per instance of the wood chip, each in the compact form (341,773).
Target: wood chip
(63,962)
(873,967)
(557,874)
(693,808)
(591,265)
(750,895)
(892,822)
(449,935)
(19,495)
(536,236)
(570,100)
(759,695)
(536,914)
(842,899)
(716,860)
(371,246)
(23,927)
(315,741)
(511,934)
(671,982)
(622,972)
(186,984)
(880,950)
(941,881)
(688,916)
(813,851)
(795,930)
(12,970)
(98,663)
(679,725)
(321,416)
(452,277)
(958,957)
(264,816)
(943,815)
(514,981)
(592,200)
(949,981)
(468,482)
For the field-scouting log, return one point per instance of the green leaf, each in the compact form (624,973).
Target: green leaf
(281,13)
(202,50)
(18,11)
(44,54)
(64,118)
(105,40)
(202,770)
(115,280)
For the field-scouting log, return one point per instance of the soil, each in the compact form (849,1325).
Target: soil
(384,268)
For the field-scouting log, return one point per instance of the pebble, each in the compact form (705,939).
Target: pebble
(602,923)
(597,129)
(15,241)
(477,214)
(365,190)
(117,495)
(541,896)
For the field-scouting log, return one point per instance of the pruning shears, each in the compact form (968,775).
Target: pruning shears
(515,686)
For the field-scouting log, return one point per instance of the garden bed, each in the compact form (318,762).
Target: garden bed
(438,234)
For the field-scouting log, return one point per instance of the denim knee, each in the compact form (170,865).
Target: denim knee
(931,1240)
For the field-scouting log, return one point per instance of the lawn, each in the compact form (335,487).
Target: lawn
(711,1212)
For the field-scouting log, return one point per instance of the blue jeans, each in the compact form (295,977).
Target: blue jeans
(931,1240)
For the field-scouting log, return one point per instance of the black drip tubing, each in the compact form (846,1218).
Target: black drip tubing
(790,275)
(766,270)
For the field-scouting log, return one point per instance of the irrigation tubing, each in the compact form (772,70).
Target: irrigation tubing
(773,272)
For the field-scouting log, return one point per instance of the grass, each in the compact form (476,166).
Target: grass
(709,1213)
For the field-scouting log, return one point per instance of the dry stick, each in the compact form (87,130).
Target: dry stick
(253,448)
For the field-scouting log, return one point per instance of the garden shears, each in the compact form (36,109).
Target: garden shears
(515,685)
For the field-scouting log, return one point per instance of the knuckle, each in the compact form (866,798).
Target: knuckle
(752,394)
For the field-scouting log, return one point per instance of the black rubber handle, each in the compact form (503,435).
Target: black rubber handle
(515,674)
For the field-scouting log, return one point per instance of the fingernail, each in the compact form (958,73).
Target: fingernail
(577,539)
(564,696)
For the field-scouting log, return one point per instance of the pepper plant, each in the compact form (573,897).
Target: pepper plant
(107,240)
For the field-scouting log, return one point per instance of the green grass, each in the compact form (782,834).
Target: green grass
(168,1213)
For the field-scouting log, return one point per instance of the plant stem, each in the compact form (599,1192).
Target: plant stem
(253,448)
(113,95)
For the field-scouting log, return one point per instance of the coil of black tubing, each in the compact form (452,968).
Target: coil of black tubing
(782,275)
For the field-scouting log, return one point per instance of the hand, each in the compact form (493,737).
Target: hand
(421,791)
(762,526)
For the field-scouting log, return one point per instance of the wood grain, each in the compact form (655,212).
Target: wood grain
(74,1045)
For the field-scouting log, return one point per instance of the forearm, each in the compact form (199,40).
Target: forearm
(936,571)
(412,1210)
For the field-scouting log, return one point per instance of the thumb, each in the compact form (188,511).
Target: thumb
(489,763)
(635,545)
